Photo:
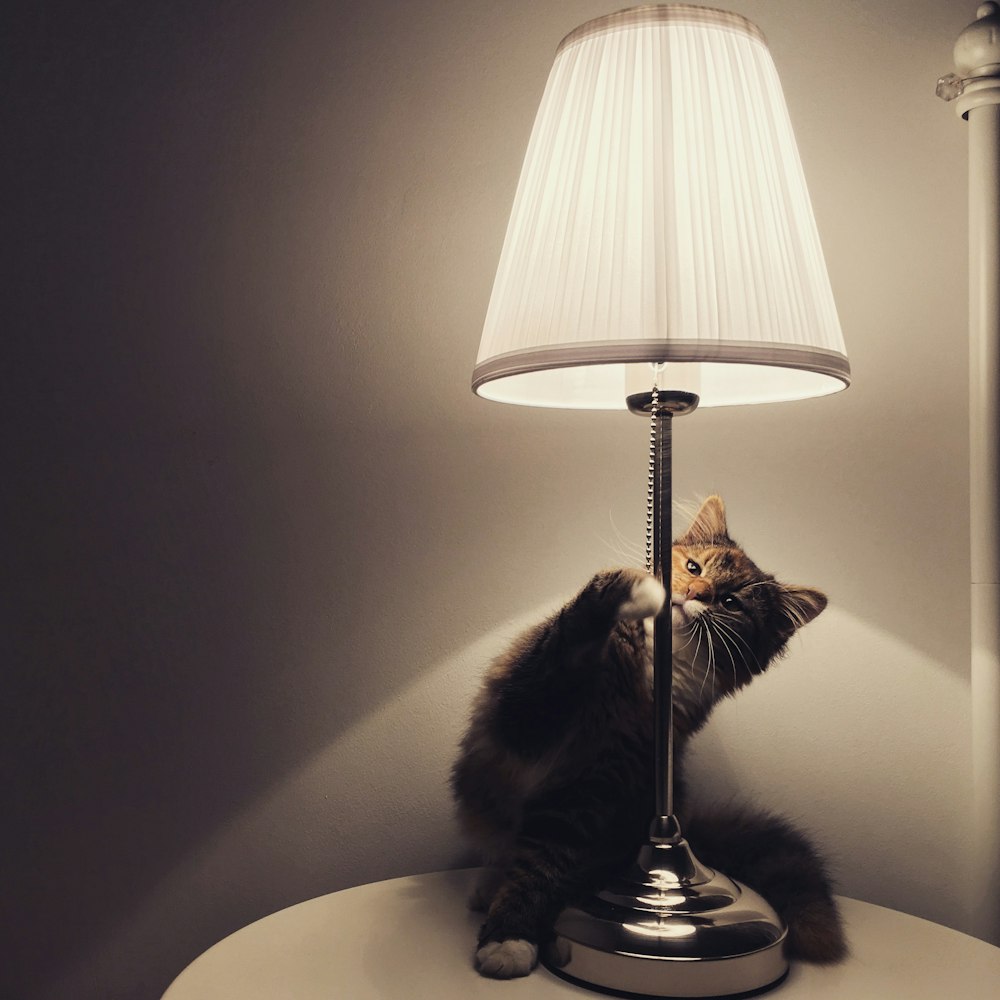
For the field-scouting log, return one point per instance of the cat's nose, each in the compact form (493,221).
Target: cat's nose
(700,589)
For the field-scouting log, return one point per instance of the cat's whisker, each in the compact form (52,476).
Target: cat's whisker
(687,509)
(729,649)
(796,615)
(691,630)
(694,630)
(622,549)
(721,636)
(709,672)
(727,620)
(710,666)
(704,676)
(735,635)
(742,660)
(626,548)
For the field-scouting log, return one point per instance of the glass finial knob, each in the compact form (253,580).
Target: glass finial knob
(949,87)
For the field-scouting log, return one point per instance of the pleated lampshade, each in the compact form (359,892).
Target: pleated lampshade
(661,216)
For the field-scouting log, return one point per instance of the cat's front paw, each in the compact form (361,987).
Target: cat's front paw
(645,598)
(507,959)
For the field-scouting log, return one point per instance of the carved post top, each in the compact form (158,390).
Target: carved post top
(977,63)
(977,51)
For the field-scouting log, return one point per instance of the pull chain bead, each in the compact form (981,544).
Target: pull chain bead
(650,485)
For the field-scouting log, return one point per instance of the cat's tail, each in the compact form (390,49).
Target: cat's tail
(768,853)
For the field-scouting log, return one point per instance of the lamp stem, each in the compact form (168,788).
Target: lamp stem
(663,665)
(662,405)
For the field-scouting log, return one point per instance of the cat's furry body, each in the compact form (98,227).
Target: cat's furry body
(554,779)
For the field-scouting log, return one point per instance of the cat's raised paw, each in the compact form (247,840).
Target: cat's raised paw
(507,959)
(646,599)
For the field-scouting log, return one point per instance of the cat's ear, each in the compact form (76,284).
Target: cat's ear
(801,604)
(709,524)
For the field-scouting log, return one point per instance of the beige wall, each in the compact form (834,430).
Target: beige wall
(265,538)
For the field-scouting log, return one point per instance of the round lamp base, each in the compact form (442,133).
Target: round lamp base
(671,927)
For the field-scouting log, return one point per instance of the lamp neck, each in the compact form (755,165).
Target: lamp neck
(661,406)
(671,401)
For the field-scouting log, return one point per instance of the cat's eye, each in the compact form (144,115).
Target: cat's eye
(731,602)
(693,568)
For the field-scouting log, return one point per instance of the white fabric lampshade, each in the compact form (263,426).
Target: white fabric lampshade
(661,216)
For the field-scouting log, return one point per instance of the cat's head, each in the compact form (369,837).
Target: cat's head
(730,617)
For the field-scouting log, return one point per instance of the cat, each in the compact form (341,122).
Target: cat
(554,780)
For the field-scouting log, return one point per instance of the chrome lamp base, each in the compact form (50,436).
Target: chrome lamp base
(671,927)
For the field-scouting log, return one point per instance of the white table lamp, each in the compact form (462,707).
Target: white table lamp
(661,253)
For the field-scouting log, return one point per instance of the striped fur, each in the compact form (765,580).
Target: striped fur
(554,776)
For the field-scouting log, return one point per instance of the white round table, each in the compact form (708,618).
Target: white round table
(413,939)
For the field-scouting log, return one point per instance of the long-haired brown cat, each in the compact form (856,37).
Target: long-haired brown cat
(554,778)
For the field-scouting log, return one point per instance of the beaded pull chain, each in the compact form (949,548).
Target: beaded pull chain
(650,484)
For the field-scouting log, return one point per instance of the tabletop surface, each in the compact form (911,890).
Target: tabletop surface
(413,937)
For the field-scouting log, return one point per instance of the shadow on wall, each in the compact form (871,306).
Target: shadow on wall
(815,740)
(200,608)
(154,682)
(385,780)
(177,578)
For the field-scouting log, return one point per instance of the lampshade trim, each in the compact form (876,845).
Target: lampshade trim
(519,362)
(674,13)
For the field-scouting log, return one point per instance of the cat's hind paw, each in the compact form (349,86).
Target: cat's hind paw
(507,959)
(645,599)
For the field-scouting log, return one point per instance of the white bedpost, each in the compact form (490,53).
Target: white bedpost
(975,88)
